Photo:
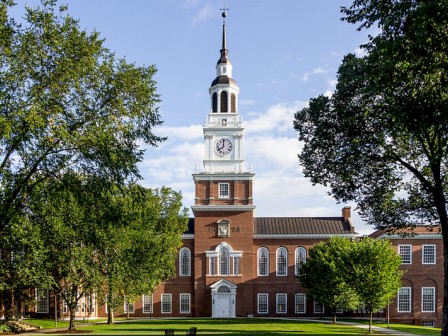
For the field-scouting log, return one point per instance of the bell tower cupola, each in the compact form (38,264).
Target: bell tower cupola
(224,165)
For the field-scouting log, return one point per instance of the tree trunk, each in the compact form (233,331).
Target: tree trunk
(445,284)
(440,203)
(370,321)
(110,303)
(8,304)
(334,317)
(72,309)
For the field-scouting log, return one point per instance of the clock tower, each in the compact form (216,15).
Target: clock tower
(223,209)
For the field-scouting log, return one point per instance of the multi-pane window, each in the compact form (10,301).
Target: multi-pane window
(282,261)
(185,303)
(404,300)
(184,262)
(263,261)
(42,304)
(300,303)
(405,252)
(236,265)
(224,190)
(224,261)
(263,299)
(281,303)
(300,259)
(166,303)
(428,299)
(213,266)
(428,254)
(126,305)
(147,304)
(318,308)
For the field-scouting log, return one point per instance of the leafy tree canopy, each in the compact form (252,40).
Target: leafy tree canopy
(382,138)
(67,102)
(323,277)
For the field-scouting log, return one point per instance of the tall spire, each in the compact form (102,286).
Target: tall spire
(224,50)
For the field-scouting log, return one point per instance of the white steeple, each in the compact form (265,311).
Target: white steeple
(223,129)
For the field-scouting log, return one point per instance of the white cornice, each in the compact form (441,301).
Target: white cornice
(187,236)
(289,236)
(301,236)
(220,175)
(223,207)
(416,236)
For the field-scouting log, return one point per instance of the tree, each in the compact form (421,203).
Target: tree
(382,139)
(64,210)
(372,270)
(344,273)
(323,277)
(66,103)
(137,234)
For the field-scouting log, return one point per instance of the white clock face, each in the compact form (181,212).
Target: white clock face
(223,146)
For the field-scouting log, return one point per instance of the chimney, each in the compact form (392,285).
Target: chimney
(346,212)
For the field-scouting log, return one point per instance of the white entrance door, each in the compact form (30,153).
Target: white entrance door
(223,299)
(223,306)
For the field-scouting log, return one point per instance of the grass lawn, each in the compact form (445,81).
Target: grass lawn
(224,327)
(417,330)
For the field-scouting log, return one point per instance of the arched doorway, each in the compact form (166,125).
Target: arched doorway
(223,299)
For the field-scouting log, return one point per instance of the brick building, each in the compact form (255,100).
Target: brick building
(233,264)
(419,300)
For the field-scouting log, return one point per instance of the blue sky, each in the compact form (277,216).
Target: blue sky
(283,52)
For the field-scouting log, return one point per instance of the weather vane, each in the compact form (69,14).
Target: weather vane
(224,10)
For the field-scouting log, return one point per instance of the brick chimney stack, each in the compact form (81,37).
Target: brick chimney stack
(346,212)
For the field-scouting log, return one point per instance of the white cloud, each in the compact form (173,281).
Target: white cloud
(205,14)
(359,52)
(278,117)
(316,71)
(191,132)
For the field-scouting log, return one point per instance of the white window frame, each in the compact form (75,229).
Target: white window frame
(402,298)
(281,299)
(42,301)
(300,258)
(279,264)
(213,266)
(184,301)
(400,252)
(300,302)
(224,261)
(147,302)
(431,301)
(431,255)
(131,307)
(184,262)
(236,265)
(166,301)
(263,264)
(263,300)
(224,190)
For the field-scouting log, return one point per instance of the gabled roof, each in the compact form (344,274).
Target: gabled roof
(296,226)
(420,231)
(302,226)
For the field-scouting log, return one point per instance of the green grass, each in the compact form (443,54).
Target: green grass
(224,327)
(412,329)
(227,327)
